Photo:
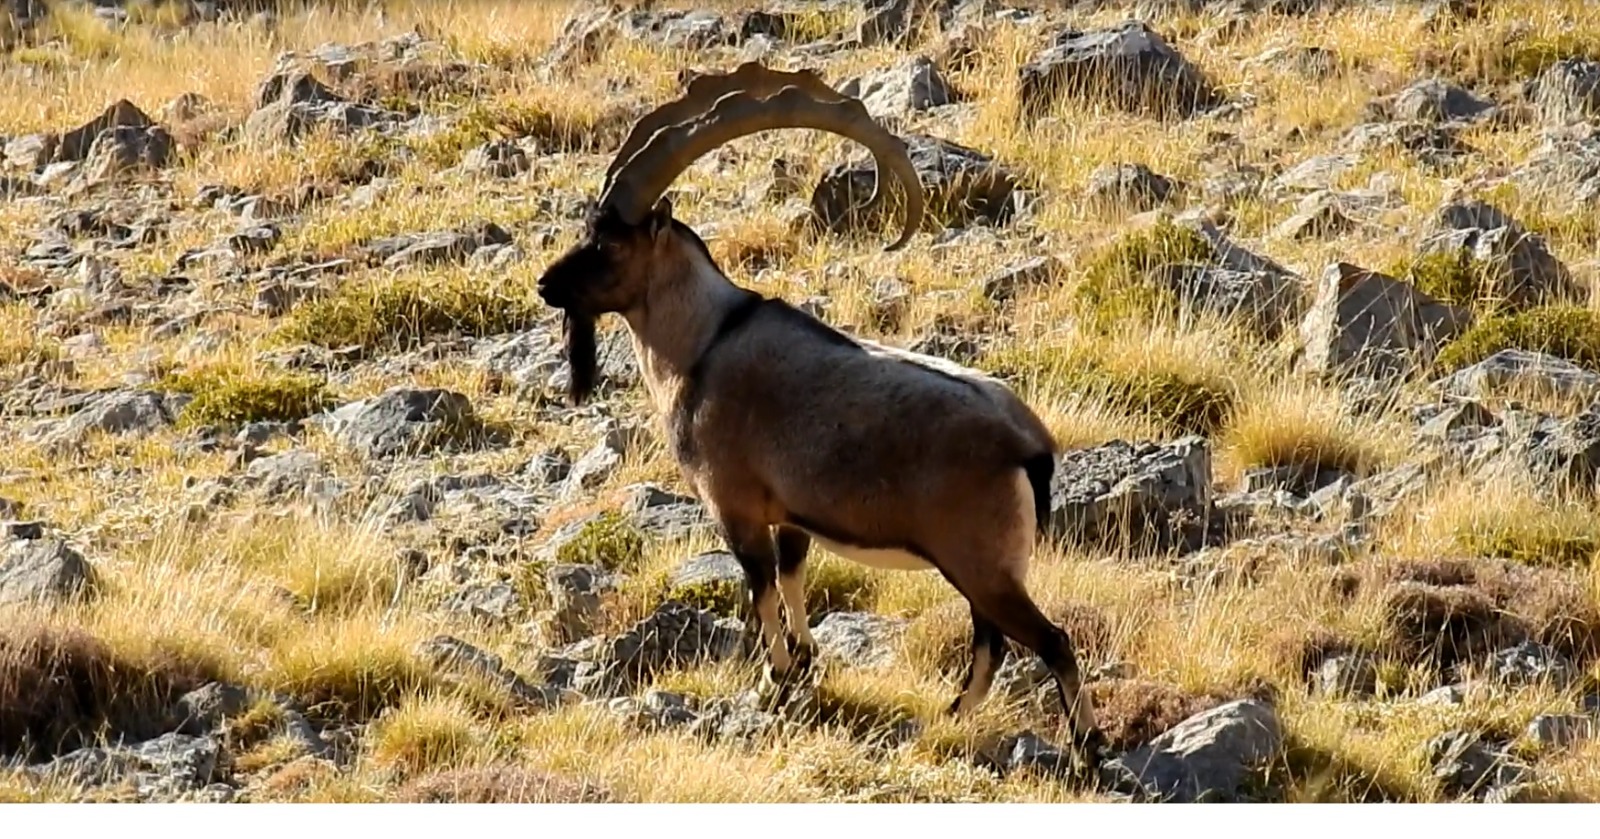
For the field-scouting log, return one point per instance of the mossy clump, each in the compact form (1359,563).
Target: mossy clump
(1116,282)
(233,395)
(609,540)
(1526,58)
(1539,541)
(403,313)
(1564,331)
(1454,278)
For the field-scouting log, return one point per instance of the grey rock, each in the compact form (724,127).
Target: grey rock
(1131,185)
(1353,675)
(1030,273)
(1530,663)
(859,639)
(43,571)
(734,718)
(117,412)
(497,158)
(969,183)
(1566,454)
(1143,492)
(202,710)
(1207,757)
(1364,321)
(1466,766)
(1266,302)
(1568,91)
(1559,730)
(75,145)
(715,573)
(912,85)
(450,655)
(575,593)
(405,421)
(1029,751)
(1520,371)
(674,635)
(127,148)
(495,602)
(657,710)
(1430,144)
(162,768)
(1127,65)
(1437,100)
(1320,214)
(1522,270)
(1444,695)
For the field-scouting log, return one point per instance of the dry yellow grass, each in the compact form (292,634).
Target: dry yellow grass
(281,596)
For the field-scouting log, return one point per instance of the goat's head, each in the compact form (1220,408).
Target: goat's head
(630,237)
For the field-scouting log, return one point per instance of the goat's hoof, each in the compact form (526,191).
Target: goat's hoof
(774,689)
(804,655)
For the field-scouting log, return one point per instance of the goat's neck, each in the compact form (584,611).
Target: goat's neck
(677,321)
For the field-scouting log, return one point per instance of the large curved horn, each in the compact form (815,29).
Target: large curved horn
(703,91)
(646,175)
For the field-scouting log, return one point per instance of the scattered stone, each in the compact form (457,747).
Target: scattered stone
(203,710)
(43,571)
(912,85)
(1519,265)
(1530,663)
(1267,302)
(674,635)
(1207,757)
(405,421)
(859,639)
(1467,767)
(1127,65)
(970,185)
(1030,273)
(160,769)
(1522,372)
(714,580)
(1158,496)
(1557,731)
(497,158)
(1348,675)
(1568,91)
(1132,186)
(1361,320)
(1437,100)
(450,655)
(575,593)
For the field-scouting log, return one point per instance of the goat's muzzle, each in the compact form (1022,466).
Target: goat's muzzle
(578,343)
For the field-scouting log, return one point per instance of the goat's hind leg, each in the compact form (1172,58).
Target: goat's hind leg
(988,653)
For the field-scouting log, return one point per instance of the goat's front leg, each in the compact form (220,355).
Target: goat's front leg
(752,545)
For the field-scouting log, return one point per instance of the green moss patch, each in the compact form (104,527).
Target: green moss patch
(1568,332)
(228,396)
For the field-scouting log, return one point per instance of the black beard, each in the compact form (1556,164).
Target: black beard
(582,364)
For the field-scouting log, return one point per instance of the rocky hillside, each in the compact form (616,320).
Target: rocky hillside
(292,507)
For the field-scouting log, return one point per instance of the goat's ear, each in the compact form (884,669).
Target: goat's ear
(660,220)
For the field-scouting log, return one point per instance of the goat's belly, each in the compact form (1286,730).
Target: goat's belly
(887,559)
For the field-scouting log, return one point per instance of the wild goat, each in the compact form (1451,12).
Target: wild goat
(791,431)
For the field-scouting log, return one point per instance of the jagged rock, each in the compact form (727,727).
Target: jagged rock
(1519,265)
(1467,767)
(675,635)
(452,655)
(162,768)
(1348,675)
(1319,214)
(1522,371)
(1130,185)
(43,571)
(497,158)
(575,593)
(118,412)
(714,578)
(859,639)
(1207,757)
(1565,455)
(1267,302)
(1565,167)
(1531,663)
(202,710)
(1127,65)
(963,186)
(291,103)
(1030,273)
(404,421)
(1157,496)
(1364,321)
(912,85)
(1568,91)
(1560,730)
(1437,100)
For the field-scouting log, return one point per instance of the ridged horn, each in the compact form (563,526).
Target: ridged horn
(646,174)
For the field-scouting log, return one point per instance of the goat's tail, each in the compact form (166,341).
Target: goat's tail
(1039,468)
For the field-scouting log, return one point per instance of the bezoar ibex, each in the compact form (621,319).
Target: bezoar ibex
(789,430)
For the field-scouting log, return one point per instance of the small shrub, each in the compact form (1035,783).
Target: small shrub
(424,734)
(404,313)
(1568,332)
(1536,540)
(609,540)
(1115,284)
(1180,401)
(1452,277)
(226,395)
